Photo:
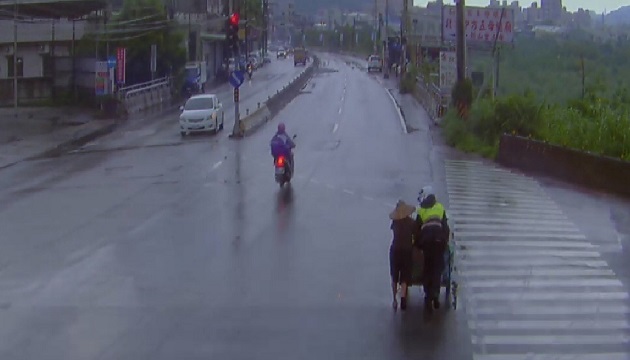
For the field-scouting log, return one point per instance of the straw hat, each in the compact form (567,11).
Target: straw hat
(401,211)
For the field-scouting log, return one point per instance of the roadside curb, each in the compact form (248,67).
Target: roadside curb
(76,142)
(63,147)
(401,114)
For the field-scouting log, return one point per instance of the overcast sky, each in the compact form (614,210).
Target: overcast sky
(572,5)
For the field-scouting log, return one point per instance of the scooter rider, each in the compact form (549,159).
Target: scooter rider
(434,234)
(282,144)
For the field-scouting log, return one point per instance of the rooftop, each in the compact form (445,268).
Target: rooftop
(50,8)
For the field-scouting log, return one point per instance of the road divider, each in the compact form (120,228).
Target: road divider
(274,104)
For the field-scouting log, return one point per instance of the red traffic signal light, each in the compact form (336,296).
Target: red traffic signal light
(234,19)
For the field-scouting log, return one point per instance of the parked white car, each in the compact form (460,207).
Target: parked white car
(375,63)
(202,112)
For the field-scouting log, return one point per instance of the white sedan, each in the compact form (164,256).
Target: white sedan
(202,112)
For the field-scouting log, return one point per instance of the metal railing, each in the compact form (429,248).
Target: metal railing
(432,99)
(142,96)
(123,91)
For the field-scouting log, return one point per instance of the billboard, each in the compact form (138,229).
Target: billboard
(101,72)
(121,57)
(448,71)
(481,24)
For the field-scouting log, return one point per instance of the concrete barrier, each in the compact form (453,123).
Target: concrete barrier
(255,120)
(277,102)
(573,166)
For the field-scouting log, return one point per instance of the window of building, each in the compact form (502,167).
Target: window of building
(20,66)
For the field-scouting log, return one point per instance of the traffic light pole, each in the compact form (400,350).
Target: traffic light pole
(236,131)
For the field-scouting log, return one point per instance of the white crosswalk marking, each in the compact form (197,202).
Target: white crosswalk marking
(534,286)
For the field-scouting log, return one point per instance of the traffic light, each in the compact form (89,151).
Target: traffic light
(232,31)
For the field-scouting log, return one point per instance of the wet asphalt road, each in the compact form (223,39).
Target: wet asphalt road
(158,248)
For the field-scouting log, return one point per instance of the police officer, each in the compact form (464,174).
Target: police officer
(433,238)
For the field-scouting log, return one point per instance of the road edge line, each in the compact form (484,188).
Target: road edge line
(400,114)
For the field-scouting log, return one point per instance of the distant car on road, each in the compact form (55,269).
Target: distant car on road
(375,63)
(282,54)
(299,56)
(201,113)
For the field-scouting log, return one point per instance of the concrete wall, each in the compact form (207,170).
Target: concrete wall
(41,31)
(598,172)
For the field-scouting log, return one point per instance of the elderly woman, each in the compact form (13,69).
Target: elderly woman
(400,255)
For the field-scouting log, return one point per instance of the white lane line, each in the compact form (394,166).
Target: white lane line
(550,325)
(348,191)
(335,128)
(400,115)
(339,111)
(217,164)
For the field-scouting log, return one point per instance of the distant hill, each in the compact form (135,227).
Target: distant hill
(312,6)
(619,16)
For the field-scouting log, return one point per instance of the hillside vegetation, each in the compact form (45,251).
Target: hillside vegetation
(541,96)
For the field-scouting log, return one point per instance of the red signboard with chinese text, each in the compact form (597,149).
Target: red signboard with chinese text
(482,24)
(121,55)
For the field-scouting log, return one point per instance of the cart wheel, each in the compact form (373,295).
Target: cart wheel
(447,294)
(454,285)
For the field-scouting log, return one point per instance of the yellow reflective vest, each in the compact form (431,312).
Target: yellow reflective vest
(432,214)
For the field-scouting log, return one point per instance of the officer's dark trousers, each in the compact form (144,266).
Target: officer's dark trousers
(433,267)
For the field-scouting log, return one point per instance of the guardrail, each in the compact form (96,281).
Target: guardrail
(431,98)
(143,96)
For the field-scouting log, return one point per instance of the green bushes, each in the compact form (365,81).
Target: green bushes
(408,81)
(593,127)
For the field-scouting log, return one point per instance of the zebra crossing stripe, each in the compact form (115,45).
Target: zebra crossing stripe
(493,244)
(550,325)
(550,296)
(547,356)
(527,262)
(548,272)
(553,340)
(534,286)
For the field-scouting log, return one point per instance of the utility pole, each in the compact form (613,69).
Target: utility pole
(386,42)
(404,38)
(376,26)
(461,40)
(15,67)
(265,26)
